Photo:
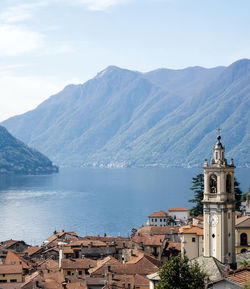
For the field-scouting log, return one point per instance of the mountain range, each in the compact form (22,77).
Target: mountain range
(124,118)
(16,157)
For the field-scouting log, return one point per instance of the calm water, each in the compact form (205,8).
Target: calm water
(91,201)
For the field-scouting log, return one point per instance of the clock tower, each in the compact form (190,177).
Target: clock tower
(219,207)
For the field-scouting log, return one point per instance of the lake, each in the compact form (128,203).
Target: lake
(92,201)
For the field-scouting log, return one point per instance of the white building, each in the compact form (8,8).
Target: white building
(159,218)
(179,214)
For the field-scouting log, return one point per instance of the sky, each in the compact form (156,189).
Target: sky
(48,44)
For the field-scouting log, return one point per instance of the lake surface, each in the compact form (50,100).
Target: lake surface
(92,201)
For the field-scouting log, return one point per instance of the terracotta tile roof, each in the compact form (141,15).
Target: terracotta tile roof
(141,281)
(11,269)
(59,235)
(67,250)
(242,222)
(76,285)
(32,250)
(106,238)
(12,258)
(48,264)
(189,229)
(147,256)
(144,267)
(118,242)
(156,240)
(86,243)
(172,245)
(239,276)
(29,278)
(105,262)
(95,281)
(9,243)
(159,214)
(178,209)
(157,230)
(85,263)
(11,285)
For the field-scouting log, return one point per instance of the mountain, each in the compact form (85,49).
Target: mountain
(16,157)
(127,118)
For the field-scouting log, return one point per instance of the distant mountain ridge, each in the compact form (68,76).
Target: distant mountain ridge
(16,157)
(127,118)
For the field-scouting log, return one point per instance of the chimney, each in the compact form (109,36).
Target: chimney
(60,257)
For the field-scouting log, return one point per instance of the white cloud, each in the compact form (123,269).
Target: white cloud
(20,12)
(16,40)
(95,5)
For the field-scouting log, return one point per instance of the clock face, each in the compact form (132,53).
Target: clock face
(212,219)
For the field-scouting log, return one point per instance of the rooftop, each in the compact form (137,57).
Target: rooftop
(159,214)
(178,209)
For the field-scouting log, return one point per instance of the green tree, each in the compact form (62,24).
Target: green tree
(179,273)
(198,189)
(238,195)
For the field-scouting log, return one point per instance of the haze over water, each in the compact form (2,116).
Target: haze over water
(92,201)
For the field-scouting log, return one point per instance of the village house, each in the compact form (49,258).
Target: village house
(17,246)
(242,234)
(76,267)
(119,243)
(154,245)
(94,249)
(180,215)
(159,218)
(11,273)
(191,241)
(15,259)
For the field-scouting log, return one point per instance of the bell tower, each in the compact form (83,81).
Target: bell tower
(219,207)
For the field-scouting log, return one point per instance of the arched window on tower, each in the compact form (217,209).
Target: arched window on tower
(243,239)
(228,184)
(213,184)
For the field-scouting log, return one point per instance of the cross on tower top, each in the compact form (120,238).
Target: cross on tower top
(219,130)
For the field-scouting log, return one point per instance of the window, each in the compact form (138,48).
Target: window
(164,220)
(243,239)
(152,220)
(155,220)
(3,281)
(216,155)
(228,215)
(228,184)
(13,262)
(68,273)
(213,184)
(193,239)
(13,280)
(80,272)
(160,220)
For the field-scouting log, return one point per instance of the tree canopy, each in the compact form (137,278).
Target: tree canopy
(179,273)
(198,189)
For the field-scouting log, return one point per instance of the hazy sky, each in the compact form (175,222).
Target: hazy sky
(46,44)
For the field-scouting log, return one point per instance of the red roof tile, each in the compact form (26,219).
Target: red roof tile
(159,214)
(178,209)
(11,269)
